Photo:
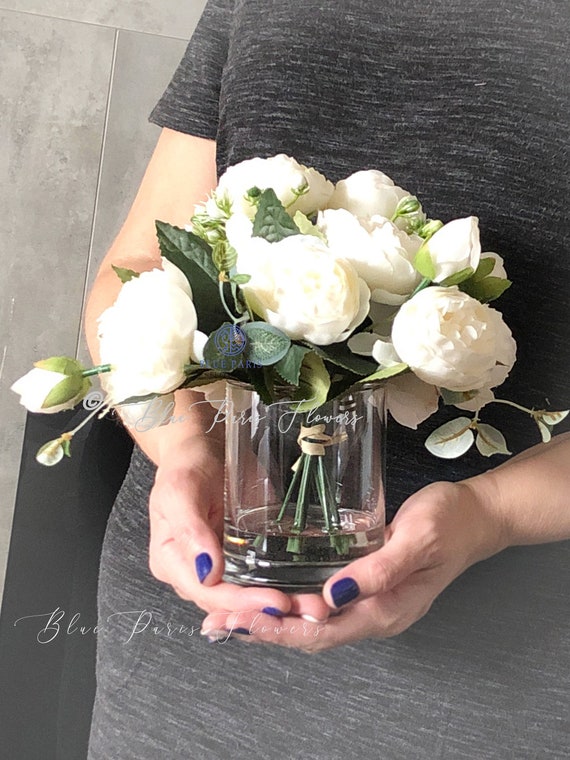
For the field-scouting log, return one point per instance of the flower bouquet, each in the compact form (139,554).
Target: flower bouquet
(302,310)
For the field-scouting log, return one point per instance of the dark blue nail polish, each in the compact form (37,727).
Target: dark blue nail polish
(204,565)
(273,611)
(243,631)
(344,591)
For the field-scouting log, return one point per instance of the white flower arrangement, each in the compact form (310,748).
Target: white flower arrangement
(284,280)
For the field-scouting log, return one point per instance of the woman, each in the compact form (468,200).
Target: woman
(465,104)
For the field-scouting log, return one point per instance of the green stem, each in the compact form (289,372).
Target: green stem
(323,495)
(515,406)
(423,284)
(223,300)
(292,484)
(96,370)
(300,522)
(329,495)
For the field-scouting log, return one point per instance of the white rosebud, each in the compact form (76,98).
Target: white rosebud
(381,253)
(367,193)
(454,247)
(149,334)
(298,188)
(452,341)
(298,286)
(61,391)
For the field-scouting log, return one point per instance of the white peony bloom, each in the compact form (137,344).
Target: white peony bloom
(381,253)
(367,193)
(298,286)
(452,341)
(149,334)
(281,173)
(454,247)
(409,400)
(36,385)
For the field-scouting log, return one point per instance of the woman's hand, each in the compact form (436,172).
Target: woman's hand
(436,535)
(186,527)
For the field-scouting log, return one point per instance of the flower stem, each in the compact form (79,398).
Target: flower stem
(100,369)
(514,405)
(292,484)
(224,304)
(300,521)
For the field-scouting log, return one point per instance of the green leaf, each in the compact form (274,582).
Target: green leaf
(289,367)
(62,364)
(64,391)
(224,256)
(125,275)
(452,439)
(450,398)
(484,269)
(306,227)
(341,355)
(545,430)
(272,222)
(265,344)
(194,258)
(385,373)
(553,418)
(490,441)
(314,383)
(423,263)
(458,277)
(487,289)
(219,353)
(66,446)
(258,378)
(240,279)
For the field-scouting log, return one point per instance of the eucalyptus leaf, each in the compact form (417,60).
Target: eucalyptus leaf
(487,289)
(553,418)
(125,275)
(452,439)
(314,383)
(450,398)
(423,263)
(265,344)
(240,279)
(289,367)
(490,441)
(272,222)
(193,257)
(458,277)
(545,430)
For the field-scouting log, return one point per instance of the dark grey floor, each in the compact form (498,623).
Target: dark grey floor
(76,84)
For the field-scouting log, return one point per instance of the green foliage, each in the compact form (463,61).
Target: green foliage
(306,227)
(289,367)
(265,344)
(423,263)
(65,391)
(490,441)
(272,222)
(485,290)
(458,277)
(314,383)
(452,439)
(340,355)
(125,275)
(385,373)
(62,364)
(486,266)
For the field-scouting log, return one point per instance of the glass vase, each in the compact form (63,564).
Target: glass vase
(304,491)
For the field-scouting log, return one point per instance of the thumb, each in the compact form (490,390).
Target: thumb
(379,571)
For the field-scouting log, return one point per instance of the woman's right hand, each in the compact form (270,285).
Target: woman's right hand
(186,529)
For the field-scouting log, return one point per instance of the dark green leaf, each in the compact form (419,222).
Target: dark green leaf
(125,275)
(340,355)
(314,383)
(484,269)
(487,290)
(265,344)
(258,378)
(62,364)
(271,221)
(289,367)
(458,277)
(423,263)
(193,256)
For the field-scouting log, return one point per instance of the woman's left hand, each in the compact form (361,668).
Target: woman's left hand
(438,533)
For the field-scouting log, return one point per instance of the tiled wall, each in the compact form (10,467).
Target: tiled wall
(77,82)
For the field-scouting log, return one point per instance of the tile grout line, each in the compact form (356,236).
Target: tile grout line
(97,191)
(92,23)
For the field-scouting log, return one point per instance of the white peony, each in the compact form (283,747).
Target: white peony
(298,286)
(454,247)
(36,385)
(381,253)
(452,341)
(281,173)
(409,400)
(149,334)
(367,193)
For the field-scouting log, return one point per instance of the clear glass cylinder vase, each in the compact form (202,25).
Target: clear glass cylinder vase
(304,491)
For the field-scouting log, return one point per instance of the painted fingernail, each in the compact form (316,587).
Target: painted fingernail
(311,619)
(243,631)
(204,565)
(273,611)
(344,591)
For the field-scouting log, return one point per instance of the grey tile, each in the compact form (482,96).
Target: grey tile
(175,18)
(54,83)
(130,139)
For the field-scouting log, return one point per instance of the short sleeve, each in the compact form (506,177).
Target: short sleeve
(190,103)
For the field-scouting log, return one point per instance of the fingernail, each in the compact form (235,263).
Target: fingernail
(273,611)
(311,619)
(216,635)
(204,565)
(243,631)
(344,591)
